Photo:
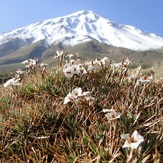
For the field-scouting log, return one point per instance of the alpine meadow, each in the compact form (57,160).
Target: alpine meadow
(81,88)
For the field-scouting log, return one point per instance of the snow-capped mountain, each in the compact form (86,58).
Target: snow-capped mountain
(83,26)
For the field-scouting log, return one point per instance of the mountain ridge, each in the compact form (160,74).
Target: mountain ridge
(82,32)
(83,26)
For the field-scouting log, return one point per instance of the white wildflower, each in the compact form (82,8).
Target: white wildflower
(58,54)
(12,82)
(104,60)
(111,114)
(69,98)
(30,62)
(93,65)
(99,63)
(25,62)
(19,74)
(73,96)
(126,62)
(77,92)
(43,66)
(70,56)
(69,71)
(132,141)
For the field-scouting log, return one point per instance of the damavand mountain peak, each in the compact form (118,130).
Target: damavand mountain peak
(82,32)
(80,27)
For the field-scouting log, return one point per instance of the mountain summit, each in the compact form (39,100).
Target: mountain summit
(80,27)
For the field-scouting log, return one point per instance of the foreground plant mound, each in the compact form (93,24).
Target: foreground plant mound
(98,111)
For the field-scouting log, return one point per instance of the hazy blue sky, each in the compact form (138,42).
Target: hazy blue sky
(146,15)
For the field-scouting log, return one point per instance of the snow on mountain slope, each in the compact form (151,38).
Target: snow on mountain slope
(83,26)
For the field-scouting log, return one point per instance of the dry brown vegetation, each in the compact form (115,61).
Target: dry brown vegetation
(36,125)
